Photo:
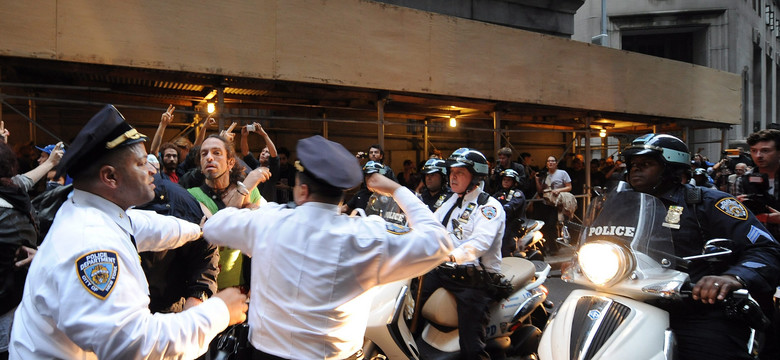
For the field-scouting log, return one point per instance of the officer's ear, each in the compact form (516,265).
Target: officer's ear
(107,174)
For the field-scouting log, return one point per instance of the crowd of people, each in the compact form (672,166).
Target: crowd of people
(191,229)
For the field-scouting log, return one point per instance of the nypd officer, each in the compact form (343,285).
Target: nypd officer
(657,163)
(476,221)
(312,266)
(86,295)
(434,190)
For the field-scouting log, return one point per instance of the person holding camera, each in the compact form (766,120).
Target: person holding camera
(759,188)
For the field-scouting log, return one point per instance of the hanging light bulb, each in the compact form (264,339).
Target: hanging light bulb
(603,133)
(453,121)
(210,107)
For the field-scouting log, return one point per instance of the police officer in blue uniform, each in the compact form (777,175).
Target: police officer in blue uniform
(657,163)
(434,190)
(511,197)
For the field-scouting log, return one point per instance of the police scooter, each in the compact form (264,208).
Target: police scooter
(388,332)
(515,321)
(626,259)
(530,239)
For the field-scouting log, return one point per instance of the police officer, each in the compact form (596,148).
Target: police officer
(476,221)
(512,199)
(86,295)
(311,265)
(657,164)
(434,185)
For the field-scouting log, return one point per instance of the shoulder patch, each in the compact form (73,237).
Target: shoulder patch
(397,229)
(97,271)
(489,212)
(731,207)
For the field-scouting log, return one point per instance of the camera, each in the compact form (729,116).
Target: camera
(250,127)
(756,187)
(361,155)
(541,173)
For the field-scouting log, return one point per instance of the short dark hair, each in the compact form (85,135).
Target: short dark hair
(379,147)
(283,150)
(525,155)
(765,135)
(320,190)
(505,151)
(8,164)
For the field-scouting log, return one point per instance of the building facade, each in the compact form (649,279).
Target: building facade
(736,36)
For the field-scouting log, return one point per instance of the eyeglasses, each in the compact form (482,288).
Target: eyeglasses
(552,161)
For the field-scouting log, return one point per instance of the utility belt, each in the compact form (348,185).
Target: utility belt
(259,355)
(469,275)
(494,284)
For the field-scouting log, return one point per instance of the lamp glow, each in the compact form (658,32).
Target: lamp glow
(210,107)
(453,122)
(603,133)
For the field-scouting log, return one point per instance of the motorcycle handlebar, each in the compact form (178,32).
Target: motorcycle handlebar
(738,305)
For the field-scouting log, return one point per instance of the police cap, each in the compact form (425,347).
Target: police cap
(105,131)
(329,162)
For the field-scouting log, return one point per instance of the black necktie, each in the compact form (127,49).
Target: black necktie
(457,204)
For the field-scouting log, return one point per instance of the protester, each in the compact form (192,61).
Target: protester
(268,158)
(549,185)
(85,291)
(312,266)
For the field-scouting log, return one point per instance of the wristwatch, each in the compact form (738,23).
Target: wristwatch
(200,295)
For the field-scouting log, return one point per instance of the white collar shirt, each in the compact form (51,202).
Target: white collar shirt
(313,269)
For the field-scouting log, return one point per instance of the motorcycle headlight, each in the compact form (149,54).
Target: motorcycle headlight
(604,263)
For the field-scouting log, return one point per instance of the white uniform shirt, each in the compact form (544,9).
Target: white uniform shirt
(87,255)
(312,269)
(481,229)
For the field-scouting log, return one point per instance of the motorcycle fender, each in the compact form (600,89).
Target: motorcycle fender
(594,325)
(386,326)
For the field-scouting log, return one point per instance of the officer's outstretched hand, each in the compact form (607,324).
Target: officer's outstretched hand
(379,183)
(236,303)
(711,288)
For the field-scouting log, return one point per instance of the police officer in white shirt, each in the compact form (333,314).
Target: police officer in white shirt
(86,295)
(476,220)
(312,267)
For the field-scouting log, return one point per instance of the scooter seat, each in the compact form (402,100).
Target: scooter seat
(519,271)
(441,308)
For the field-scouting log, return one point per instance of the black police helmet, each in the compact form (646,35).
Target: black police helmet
(434,165)
(511,174)
(667,148)
(373,167)
(471,159)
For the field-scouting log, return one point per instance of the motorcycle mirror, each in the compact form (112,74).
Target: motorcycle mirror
(717,243)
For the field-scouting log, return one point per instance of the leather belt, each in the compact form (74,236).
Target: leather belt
(259,355)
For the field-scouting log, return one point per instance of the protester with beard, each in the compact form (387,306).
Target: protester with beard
(170,161)
(223,187)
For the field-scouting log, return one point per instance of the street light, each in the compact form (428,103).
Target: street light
(210,107)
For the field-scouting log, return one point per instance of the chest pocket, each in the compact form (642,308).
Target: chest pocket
(463,224)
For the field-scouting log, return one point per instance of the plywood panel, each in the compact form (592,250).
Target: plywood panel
(366,44)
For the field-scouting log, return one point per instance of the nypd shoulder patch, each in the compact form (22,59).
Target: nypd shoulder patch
(97,271)
(397,229)
(732,207)
(489,212)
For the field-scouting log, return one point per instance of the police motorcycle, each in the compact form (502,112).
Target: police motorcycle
(626,259)
(389,329)
(530,240)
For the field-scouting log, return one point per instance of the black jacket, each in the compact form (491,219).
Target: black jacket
(187,271)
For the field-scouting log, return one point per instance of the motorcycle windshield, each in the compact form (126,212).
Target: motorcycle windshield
(636,221)
(386,208)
